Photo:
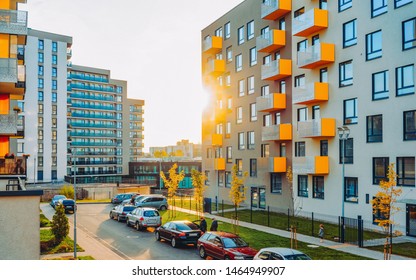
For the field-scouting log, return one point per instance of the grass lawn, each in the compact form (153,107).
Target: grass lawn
(67,245)
(406,249)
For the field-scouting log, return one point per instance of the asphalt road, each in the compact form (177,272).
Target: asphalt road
(125,241)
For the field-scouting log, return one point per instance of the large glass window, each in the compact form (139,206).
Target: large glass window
(253,112)
(250,140)
(54,46)
(238,63)
(399,3)
(241,144)
(303,185)
(54,59)
(409,34)
(406,171)
(374,45)
(346,153)
(351,111)
(253,167)
(318,187)
(40,95)
(265,150)
(344,4)
(250,30)
(239,114)
(241,89)
(229,154)
(381,85)
(41,45)
(240,35)
(250,84)
(405,82)
(229,54)
(409,125)
(300,149)
(374,128)
(227,30)
(40,57)
(345,74)
(380,169)
(378,7)
(253,56)
(350,33)
(276,183)
(351,189)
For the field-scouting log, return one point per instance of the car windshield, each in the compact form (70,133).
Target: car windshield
(234,242)
(186,226)
(129,208)
(68,202)
(57,197)
(297,257)
(150,214)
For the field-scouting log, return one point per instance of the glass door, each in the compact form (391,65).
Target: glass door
(411,219)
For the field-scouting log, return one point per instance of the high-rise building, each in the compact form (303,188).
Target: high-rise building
(182,149)
(324,87)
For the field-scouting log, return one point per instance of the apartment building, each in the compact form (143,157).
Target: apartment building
(350,101)
(105,127)
(182,149)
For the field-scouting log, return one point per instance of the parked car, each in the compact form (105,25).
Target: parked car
(156,201)
(69,205)
(120,212)
(142,218)
(224,245)
(279,253)
(117,199)
(179,233)
(56,199)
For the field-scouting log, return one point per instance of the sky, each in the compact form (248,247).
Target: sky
(155,45)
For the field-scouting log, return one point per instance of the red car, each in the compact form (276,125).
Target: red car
(224,246)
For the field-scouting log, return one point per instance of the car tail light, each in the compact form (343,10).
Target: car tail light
(141,219)
(124,213)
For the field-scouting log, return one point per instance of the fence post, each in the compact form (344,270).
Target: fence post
(222,206)
(288,218)
(251,213)
(268,216)
(342,229)
(360,232)
(313,228)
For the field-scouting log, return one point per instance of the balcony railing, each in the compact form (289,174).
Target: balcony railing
(215,67)
(13,22)
(212,44)
(217,140)
(215,164)
(324,127)
(312,93)
(310,22)
(274,9)
(271,41)
(13,166)
(278,132)
(318,165)
(276,69)
(8,70)
(272,164)
(316,56)
(271,102)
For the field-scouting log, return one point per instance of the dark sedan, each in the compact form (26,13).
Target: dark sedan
(68,204)
(179,233)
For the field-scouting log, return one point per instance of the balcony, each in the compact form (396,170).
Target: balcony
(12,77)
(272,164)
(215,164)
(278,132)
(316,56)
(317,165)
(310,22)
(215,67)
(271,41)
(220,115)
(212,45)
(13,22)
(271,102)
(313,93)
(217,140)
(276,70)
(8,124)
(274,9)
(13,166)
(317,128)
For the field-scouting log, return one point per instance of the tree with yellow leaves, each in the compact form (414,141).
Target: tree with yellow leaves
(384,206)
(237,192)
(198,182)
(172,184)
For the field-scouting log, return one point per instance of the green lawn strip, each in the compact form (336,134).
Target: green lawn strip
(406,249)
(44,222)
(258,239)
(66,246)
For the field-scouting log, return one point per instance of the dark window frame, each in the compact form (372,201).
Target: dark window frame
(411,41)
(409,134)
(351,194)
(303,188)
(344,5)
(350,119)
(372,135)
(380,163)
(402,176)
(318,189)
(375,12)
(401,87)
(353,40)
(344,80)
(276,183)
(385,75)
(370,42)
(348,151)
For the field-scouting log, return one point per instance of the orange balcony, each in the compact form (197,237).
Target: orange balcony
(274,9)
(220,115)
(272,164)
(212,45)
(276,70)
(215,163)
(271,102)
(217,140)
(271,41)
(317,165)
(317,128)
(12,78)
(215,67)
(310,22)
(316,56)
(277,132)
(313,93)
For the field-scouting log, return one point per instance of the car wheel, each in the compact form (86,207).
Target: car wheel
(173,242)
(157,235)
(118,218)
(202,252)
(111,216)
(226,257)
(138,227)
(127,222)
(163,208)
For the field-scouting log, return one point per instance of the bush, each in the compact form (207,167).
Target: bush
(60,225)
(67,191)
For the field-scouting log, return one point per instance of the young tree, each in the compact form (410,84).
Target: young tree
(384,207)
(198,181)
(237,192)
(60,225)
(172,184)
(67,191)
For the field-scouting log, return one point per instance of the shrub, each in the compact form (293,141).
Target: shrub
(67,191)
(60,225)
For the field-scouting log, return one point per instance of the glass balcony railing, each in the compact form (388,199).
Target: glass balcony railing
(89,134)
(316,56)
(94,106)
(79,76)
(310,22)
(324,127)
(215,164)
(8,124)
(277,132)
(215,67)
(8,70)
(318,165)
(94,125)
(312,93)
(212,44)
(272,164)
(276,69)
(94,87)
(271,41)
(271,102)
(274,9)
(13,165)
(93,116)
(95,144)
(92,96)
(13,22)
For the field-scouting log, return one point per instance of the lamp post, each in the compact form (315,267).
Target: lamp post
(343,133)
(75,200)
(34,171)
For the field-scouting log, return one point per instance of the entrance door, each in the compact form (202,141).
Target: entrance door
(254,197)
(411,220)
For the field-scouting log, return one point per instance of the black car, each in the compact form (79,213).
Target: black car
(68,204)
(120,212)
(122,196)
(179,233)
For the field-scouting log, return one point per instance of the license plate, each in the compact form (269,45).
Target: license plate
(193,234)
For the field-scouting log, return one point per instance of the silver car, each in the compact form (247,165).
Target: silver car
(279,253)
(156,201)
(144,217)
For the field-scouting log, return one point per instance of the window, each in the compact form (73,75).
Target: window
(40,70)
(40,108)
(253,167)
(54,84)
(318,187)
(381,85)
(239,114)
(399,3)
(267,120)
(406,171)
(227,179)
(40,134)
(409,34)
(351,111)
(218,32)
(54,59)
(351,189)
(378,7)
(229,54)
(374,45)
(302,46)
(303,114)
(20,147)
(250,30)
(250,140)
(241,144)
(282,86)
(250,84)
(323,75)
(375,129)
(409,125)
(54,109)
(239,163)
(282,149)
(220,178)
(40,164)
(316,112)
(54,97)
(265,90)
(265,150)
(40,147)
(299,12)
(227,129)
(241,90)
(206,177)
(54,46)
(276,183)
(227,30)
(228,79)
(323,4)
(300,149)
(238,63)
(54,72)
(40,96)
(41,45)
(54,122)
(40,121)
(240,35)
(346,153)
(253,56)
(324,147)
(303,185)
(40,83)
(344,4)
(350,33)
(345,74)
(40,57)
(54,135)
(405,83)
(300,81)
(380,169)
(229,154)
(253,112)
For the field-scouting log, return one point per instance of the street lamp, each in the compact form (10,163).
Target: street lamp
(343,133)
(74,165)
